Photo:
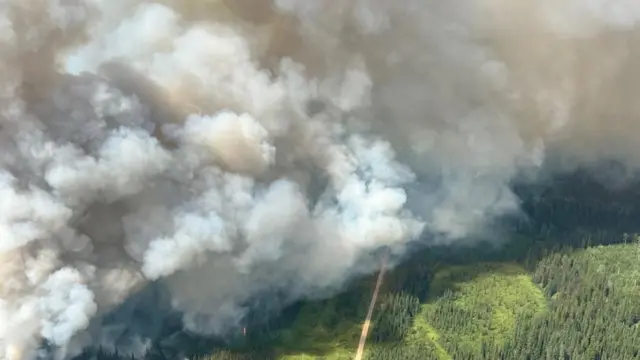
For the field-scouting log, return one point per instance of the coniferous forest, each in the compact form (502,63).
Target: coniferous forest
(565,284)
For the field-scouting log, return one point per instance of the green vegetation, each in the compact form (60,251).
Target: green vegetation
(576,304)
(582,304)
(479,305)
(560,288)
(321,331)
(594,307)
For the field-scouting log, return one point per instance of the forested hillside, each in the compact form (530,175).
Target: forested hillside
(564,286)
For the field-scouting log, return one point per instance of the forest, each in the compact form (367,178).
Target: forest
(564,285)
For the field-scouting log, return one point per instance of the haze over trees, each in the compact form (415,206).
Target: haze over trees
(565,286)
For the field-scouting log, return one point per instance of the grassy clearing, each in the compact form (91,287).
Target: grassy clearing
(488,298)
(484,301)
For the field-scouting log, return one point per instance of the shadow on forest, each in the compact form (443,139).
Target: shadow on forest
(448,279)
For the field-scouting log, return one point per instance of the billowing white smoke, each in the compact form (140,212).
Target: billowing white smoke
(227,152)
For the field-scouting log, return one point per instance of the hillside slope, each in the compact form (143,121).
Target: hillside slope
(580,304)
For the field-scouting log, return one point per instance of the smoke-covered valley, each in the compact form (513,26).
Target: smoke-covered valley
(198,154)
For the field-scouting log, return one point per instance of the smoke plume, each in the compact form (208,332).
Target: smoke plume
(225,148)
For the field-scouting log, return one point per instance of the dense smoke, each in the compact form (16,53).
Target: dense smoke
(228,149)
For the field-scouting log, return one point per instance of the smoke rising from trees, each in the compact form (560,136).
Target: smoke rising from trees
(225,149)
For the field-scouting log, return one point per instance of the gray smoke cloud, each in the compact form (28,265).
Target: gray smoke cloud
(226,148)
